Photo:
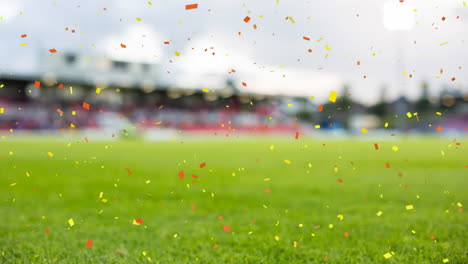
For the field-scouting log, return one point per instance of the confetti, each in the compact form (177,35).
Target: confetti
(332,97)
(409,207)
(128,171)
(89,243)
(191,6)
(37,84)
(203,165)
(85,105)
(376,146)
(226,228)
(123,45)
(52,50)
(247,19)
(71,222)
(387,255)
(181,174)
(287,162)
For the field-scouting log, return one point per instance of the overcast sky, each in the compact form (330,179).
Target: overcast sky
(274,57)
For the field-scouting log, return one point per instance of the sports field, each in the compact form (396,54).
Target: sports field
(258,201)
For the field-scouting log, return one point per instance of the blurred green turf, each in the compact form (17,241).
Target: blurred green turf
(181,216)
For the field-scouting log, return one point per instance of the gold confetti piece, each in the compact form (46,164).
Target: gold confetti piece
(277,238)
(445,260)
(138,19)
(443,43)
(394,148)
(387,255)
(2,110)
(148,182)
(205,90)
(287,162)
(327,47)
(177,53)
(317,126)
(409,115)
(459,204)
(438,113)
(98,90)
(332,97)
(379,213)
(266,179)
(24,44)
(71,222)
(50,154)
(340,217)
(364,130)
(409,207)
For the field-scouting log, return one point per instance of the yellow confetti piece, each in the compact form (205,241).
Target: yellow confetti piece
(379,213)
(387,255)
(272,147)
(177,53)
(409,115)
(295,244)
(71,222)
(148,182)
(364,130)
(386,125)
(443,43)
(205,90)
(394,148)
(332,97)
(13,184)
(459,205)
(292,20)
(277,238)
(445,260)
(149,3)
(138,19)
(266,179)
(438,113)
(98,90)
(104,200)
(24,44)
(340,217)
(409,207)
(330,226)
(287,162)
(2,110)
(100,195)
(317,126)
(412,231)
(72,125)
(50,154)
(327,47)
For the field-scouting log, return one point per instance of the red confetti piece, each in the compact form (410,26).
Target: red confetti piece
(85,105)
(192,207)
(52,50)
(320,108)
(89,243)
(443,18)
(60,86)
(166,42)
(387,165)
(194,176)
(267,191)
(191,6)
(340,180)
(306,38)
(220,217)
(226,228)
(128,171)
(24,35)
(37,84)
(309,50)
(203,165)
(47,231)
(181,174)
(453,79)
(376,146)
(439,128)
(297,135)
(139,221)
(244,84)
(123,45)
(247,19)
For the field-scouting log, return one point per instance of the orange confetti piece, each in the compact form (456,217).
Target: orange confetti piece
(387,165)
(340,180)
(226,228)
(181,174)
(86,139)
(24,35)
(60,86)
(376,146)
(139,221)
(85,105)
(439,128)
(123,45)
(247,19)
(191,6)
(306,38)
(89,243)
(453,79)
(203,165)
(346,234)
(320,108)
(52,50)
(128,171)
(244,84)
(309,50)
(59,111)
(297,135)
(37,84)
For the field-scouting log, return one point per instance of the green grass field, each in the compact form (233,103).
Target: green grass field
(246,206)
